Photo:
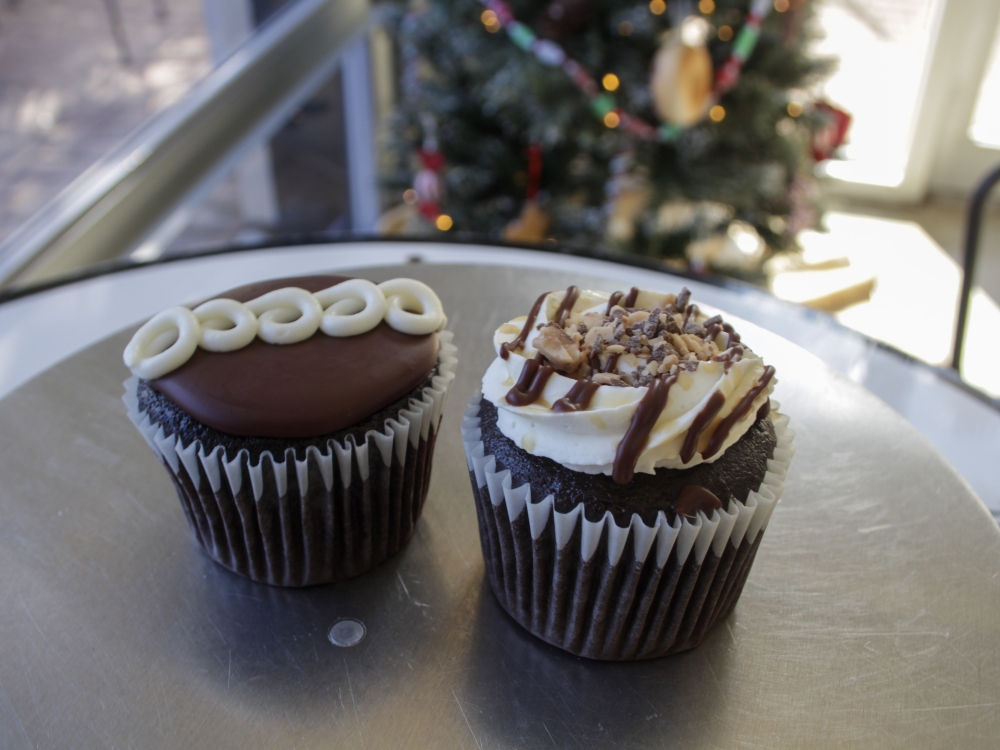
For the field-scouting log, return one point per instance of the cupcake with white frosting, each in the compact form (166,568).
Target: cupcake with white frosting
(297,419)
(625,459)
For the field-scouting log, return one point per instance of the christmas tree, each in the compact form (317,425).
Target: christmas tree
(645,128)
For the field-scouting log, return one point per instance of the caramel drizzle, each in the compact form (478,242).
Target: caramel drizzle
(578,398)
(615,299)
(704,418)
(531,382)
(640,428)
(507,348)
(741,410)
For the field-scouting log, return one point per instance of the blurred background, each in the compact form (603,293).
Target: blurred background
(824,150)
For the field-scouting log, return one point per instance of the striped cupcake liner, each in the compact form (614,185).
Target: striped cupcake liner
(338,512)
(606,592)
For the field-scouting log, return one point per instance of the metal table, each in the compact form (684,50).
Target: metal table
(870,617)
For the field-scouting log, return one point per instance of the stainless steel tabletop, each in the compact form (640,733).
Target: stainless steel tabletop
(871,616)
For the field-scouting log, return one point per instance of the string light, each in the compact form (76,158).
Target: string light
(706,6)
(443,222)
(781,5)
(410,196)
(611,120)
(610,82)
(725,33)
(717,113)
(490,21)
(794,109)
(625,28)
(657,7)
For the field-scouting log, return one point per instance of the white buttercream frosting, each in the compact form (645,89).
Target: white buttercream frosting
(588,440)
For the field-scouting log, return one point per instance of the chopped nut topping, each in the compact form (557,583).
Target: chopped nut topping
(636,345)
(558,348)
(609,378)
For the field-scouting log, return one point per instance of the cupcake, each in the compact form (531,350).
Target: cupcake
(625,458)
(297,419)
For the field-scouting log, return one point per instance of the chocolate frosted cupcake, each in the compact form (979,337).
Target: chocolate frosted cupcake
(297,419)
(625,459)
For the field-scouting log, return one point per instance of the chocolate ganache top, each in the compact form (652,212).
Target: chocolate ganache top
(311,388)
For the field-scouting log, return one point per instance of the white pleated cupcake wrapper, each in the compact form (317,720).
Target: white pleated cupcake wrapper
(324,513)
(728,536)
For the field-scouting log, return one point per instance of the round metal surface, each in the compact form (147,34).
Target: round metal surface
(871,617)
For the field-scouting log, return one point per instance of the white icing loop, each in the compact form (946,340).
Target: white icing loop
(283,316)
(351,308)
(164,343)
(226,325)
(286,316)
(405,295)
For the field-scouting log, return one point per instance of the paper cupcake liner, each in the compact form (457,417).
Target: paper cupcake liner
(606,592)
(340,511)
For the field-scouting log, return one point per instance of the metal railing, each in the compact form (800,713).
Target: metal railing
(144,192)
(972,229)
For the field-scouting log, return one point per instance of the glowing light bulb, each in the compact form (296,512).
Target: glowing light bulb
(657,7)
(706,6)
(725,33)
(610,82)
(794,109)
(444,222)
(490,21)
(611,119)
(717,113)
(781,5)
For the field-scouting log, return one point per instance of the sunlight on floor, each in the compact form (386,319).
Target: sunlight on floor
(913,306)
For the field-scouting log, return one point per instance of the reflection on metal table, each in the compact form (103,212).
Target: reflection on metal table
(871,614)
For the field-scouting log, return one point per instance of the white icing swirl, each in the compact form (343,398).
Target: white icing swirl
(588,440)
(282,316)
(164,343)
(351,308)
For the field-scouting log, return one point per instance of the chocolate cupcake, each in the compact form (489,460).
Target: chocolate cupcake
(625,458)
(297,419)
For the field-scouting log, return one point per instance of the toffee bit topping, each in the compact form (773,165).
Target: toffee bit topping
(623,346)
(635,344)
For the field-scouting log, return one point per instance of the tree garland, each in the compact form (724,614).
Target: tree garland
(603,104)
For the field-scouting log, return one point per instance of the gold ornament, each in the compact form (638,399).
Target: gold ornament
(531,227)
(628,203)
(682,78)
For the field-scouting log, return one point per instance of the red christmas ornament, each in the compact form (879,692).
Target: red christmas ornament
(828,138)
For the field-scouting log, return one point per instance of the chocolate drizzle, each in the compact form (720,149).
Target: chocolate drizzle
(616,297)
(691,311)
(639,429)
(530,384)
(572,293)
(612,363)
(507,348)
(704,418)
(578,398)
(633,295)
(741,410)
(764,410)
(694,498)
